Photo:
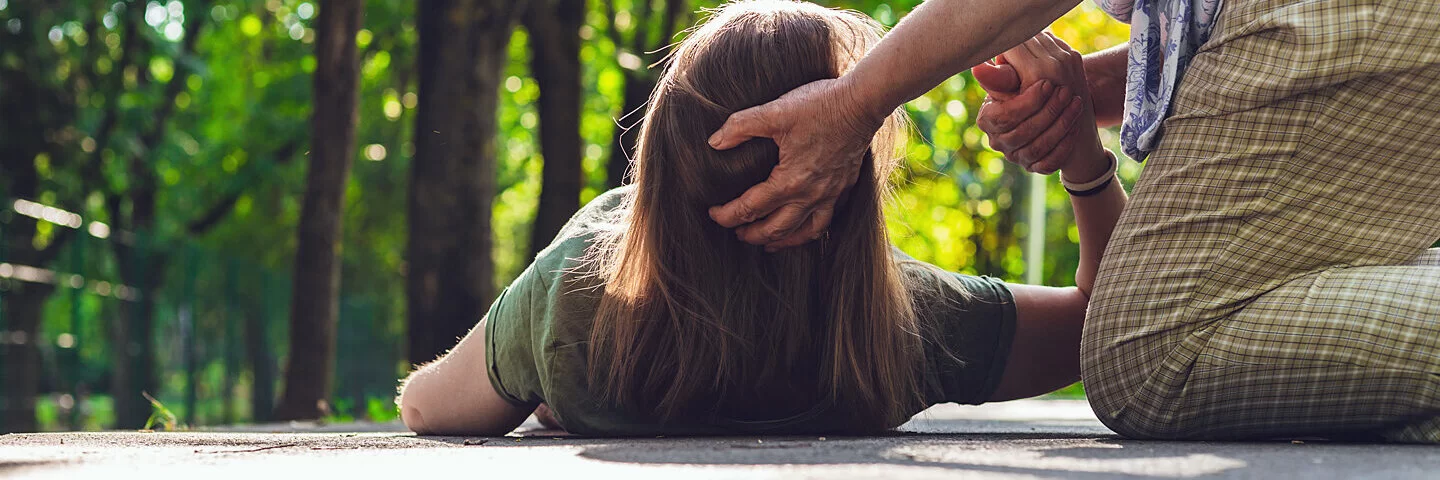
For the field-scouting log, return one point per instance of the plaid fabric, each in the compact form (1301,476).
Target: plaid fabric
(1270,276)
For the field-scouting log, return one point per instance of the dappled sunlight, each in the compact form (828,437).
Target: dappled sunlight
(164,184)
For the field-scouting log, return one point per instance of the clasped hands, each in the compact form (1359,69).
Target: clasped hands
(1038,113)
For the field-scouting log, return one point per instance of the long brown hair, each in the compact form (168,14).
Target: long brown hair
(695,322)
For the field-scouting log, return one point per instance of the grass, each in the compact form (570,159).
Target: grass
(1075,391)
(97,412)
(375,409)
(160,415)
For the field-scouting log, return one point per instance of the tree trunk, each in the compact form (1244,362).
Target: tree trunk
(231,369)
(450,274)
(143,259)
(262,372)
(34,111)
(310,371)
(555,62)
(188,319)
(20,357)
(142,267)
(649,46)
(20,306)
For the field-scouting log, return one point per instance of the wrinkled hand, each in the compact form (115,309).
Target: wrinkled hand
(1050,124)
(823,135)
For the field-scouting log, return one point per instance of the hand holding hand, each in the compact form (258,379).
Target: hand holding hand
(1050,124)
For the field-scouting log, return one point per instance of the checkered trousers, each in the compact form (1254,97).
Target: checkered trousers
(1270,277)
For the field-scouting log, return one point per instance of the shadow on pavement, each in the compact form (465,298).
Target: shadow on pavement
(1045,454)
(12,465)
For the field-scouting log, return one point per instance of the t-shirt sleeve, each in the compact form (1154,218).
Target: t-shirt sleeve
(522,325)
(977,341)
(968,323)
(509,350)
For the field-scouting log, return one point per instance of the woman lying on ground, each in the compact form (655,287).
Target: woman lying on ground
(644,317)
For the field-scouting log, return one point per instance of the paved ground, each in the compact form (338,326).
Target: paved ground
(1026,439)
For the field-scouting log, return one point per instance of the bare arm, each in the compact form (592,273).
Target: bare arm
(1046,351)
(1045,354)
(824,128)
(453,395)
(1095,217)
(939,39)
(1105,73)
(1074,150)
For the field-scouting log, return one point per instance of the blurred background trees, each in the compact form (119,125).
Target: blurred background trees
(310,368)
(156,158)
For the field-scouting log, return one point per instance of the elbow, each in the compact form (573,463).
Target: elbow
(419,410)
(413,419)
(410,405)
(1085,280)
(429,406)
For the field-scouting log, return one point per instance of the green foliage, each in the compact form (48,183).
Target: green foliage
(381,409)
(960,205)
(98,413)
(372,409)
(239,134)
(161,416)
(1072,392)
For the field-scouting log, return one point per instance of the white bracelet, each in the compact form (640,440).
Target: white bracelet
(1098,181)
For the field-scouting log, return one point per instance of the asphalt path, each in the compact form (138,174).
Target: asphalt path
(1025,439)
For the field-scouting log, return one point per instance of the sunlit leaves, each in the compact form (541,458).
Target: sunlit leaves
(956,205)
(250,25)
(391,106)
(980,230)
(242,117)
(376,65)
(162,69)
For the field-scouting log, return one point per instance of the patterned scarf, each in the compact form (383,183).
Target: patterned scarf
(1164,35)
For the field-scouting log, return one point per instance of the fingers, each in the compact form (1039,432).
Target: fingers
(1033,47)
(1033,130)
(1031,155)
(1060,44)
(742,126)
(755,203)
(1000,118)
(1049,44)
(1030,128)
(1030,61)
(1052,161)
(812,229)
(1072,63)
(775,227)
(1057,157)
(996,78)
(1020,55)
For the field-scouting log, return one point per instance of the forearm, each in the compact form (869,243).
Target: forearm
(1095,217)
(939,39)
(1045,352)
(453,395)
(1105,73)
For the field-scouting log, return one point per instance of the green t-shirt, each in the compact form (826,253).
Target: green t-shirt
(538,329)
